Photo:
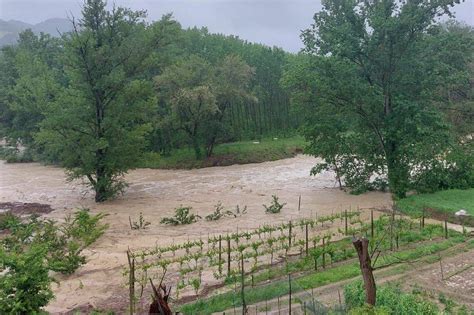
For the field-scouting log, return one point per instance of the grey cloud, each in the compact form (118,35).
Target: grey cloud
(272,22)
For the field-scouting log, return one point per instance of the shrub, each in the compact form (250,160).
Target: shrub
(24,281)
(182,216)
(141,224)
(275,206)
(219,213)
(389,298)
(34,247)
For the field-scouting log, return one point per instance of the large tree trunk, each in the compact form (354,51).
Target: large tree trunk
(362,247)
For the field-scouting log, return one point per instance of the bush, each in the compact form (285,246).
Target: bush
(389,298)
(182,216)
(219,212)
(24,281)
(275,206)
(32,248)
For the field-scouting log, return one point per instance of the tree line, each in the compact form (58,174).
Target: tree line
(95,98)
(382,91)
(386,89)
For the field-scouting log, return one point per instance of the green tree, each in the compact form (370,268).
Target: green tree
(29,82)
(97,124)
(198,94)
(376,81)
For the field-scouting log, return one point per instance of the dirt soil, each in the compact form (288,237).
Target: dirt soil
(156,193)
(21,209)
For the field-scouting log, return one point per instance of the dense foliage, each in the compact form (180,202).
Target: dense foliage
(31,249)
(98,97)
(379,84)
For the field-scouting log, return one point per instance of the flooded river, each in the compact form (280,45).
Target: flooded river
(156,193)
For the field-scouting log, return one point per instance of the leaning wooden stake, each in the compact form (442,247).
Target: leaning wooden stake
(160,306)
(361,246)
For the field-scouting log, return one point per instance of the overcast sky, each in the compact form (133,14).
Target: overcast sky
(272,22)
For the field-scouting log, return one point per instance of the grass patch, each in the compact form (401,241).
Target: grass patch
(274,289)
(242,152)
(442,204)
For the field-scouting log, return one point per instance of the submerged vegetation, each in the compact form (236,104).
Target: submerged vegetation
(31,248)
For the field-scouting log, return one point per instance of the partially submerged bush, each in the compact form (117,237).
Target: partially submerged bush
(219,212)
(141,224)
(182,216)
(275,206)
(34,247)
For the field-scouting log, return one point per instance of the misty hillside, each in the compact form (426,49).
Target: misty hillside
(9,30)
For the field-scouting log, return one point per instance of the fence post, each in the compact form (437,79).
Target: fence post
(289,301)
(289,235)
(446,229)
(372,223)
(306,244)
(345,218)
(228,255)
(131,280)
(299,203)
(220,254)
(244,306)
(324,253)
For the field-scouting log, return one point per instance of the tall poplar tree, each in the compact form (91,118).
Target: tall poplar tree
(98,122)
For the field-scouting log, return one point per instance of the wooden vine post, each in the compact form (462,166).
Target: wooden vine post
(244,306)
(289,300)
(345,223)
(289,235)
(306,239)
(228,255)
(220,254)
(372,223)
(361,246)
(131,280)
(446,229)
(299,203)
(324,253)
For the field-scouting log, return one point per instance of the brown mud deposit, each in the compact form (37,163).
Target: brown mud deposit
(156,193)
(20,208)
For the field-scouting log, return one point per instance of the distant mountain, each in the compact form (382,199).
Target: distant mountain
(9,30)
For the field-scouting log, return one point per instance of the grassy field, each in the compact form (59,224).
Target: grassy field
(243,152)
(445,202)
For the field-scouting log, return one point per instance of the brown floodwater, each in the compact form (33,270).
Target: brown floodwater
(156,193)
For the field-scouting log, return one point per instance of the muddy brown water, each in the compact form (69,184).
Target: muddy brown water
(156,193)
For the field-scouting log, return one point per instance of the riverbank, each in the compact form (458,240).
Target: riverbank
(242,152)
(441,205)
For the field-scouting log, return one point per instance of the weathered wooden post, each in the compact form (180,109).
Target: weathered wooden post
(345,223)
(289,301)
(372,223)
(306,240)
(131,280)
(446,229)
(228,255)
(362,247)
